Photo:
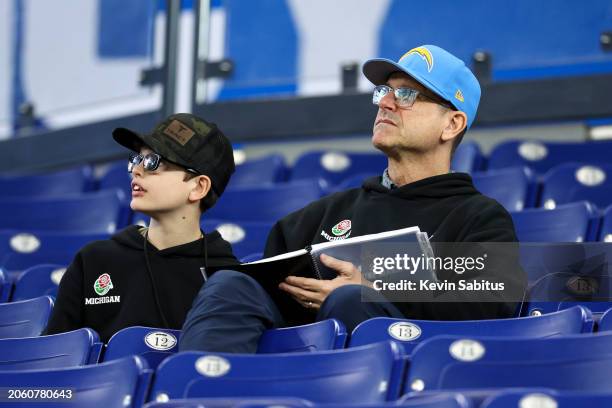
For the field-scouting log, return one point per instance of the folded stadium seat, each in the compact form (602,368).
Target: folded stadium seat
(116,177)
(543,156)
(93,213)
(152,344)
(354,181)
(324,335)
(116,384)
(549,398)
(439,400)
(580,362)
(255,172)
(26,318)
(246,237)
(410,333)
(367,375)
(70,349)
(572,182)
(20,250)
(514,187)
(56,184)
(605,323)
(335,166)
(575,222)
(39,280)
(605,233)
(467,158)
(265,203)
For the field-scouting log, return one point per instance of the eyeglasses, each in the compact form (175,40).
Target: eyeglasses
(404,97)
(150,162)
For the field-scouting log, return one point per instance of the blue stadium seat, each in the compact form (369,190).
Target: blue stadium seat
(94,213)
(5,287)
(410,333)
(543,156)
(116,177)
(70,349)
(605,323)
(576,362)
(335,166)
(605,233)
(265,203)
(252,257)
(514,187)
(150,343)
(576,222)
(56,184)
(467,158)
(39,280)
(246,237)
(368,374)
(116,384)
(548,398)
(572,182)
(324,335)
(20,250)
(255,172)
(353,181)
(27,318)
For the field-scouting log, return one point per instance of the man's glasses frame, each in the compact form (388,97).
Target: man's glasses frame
(404,96)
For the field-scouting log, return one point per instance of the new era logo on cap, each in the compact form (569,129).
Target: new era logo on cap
(179,132)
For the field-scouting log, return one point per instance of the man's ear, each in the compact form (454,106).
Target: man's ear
(201,189)
(457,122)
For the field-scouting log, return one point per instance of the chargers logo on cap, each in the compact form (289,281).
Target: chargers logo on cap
(423,53)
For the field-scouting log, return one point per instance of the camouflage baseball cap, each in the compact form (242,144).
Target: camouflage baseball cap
(188,141)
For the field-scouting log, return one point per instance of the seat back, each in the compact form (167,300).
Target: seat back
(543,156)
(263,170)
(73,181)
(26,318)
(116,384)
(512,187)
(246,237)
(410,333)
(74,348)
(150,343)
(264,203)
(575,362)
(572,182)
(548,398)
(335,166)
(574,222)
(94,213)
(39,280)
(324,335)
(467,158)
(20,250)
(368,374)
(605,233)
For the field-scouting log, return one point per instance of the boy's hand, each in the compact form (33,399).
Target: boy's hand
(311,293)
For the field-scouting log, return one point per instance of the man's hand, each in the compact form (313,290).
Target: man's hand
(311,293)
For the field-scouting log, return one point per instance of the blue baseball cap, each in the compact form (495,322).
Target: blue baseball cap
(437,70)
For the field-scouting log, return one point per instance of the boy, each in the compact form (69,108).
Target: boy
(149,276)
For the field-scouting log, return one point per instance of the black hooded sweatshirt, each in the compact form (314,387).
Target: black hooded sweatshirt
(108,287)
(448,207)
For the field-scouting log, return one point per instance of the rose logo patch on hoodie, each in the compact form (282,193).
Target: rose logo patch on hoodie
(341,230)
(102,286)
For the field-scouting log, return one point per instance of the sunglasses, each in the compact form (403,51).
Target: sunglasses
(150,162)
(404,97)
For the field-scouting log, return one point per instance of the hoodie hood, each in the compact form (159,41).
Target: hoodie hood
(444,185)
(217,247)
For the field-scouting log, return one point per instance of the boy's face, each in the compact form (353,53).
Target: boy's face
(163,190)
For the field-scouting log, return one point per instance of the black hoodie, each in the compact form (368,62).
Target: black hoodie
(107,287)
(448,207)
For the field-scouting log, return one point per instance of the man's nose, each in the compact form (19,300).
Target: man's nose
(388,102)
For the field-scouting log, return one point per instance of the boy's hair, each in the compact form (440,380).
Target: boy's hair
(209,200)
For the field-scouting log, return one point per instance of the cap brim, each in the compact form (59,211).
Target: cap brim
(377,70)
(128,138)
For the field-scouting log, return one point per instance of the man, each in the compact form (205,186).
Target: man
(427,100)
(150,276)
